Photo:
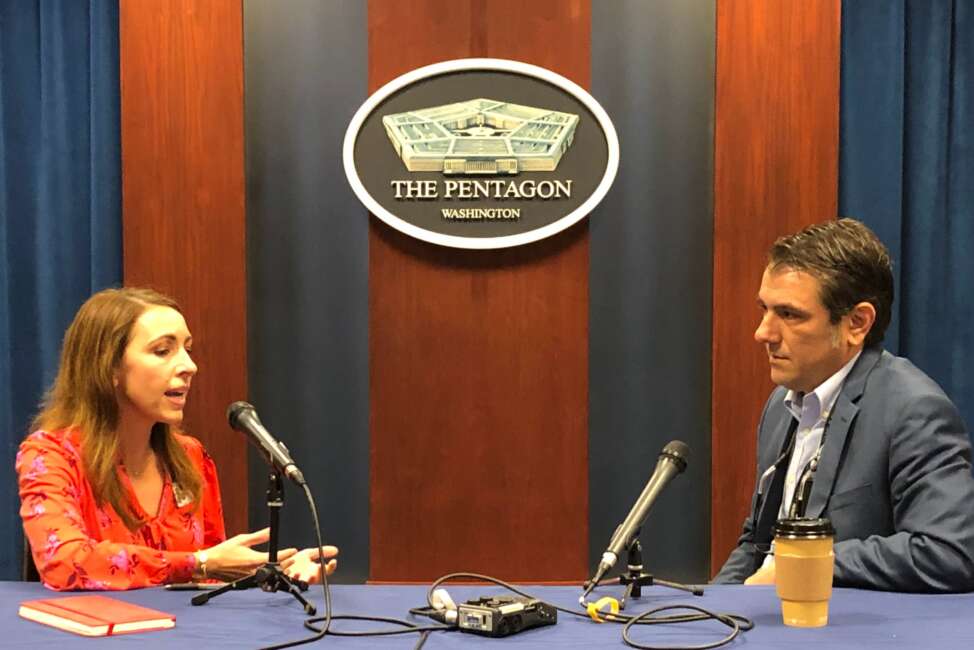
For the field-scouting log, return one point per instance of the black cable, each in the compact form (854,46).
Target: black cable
(496,581)
(322,574)
(408,627)
(737,622)
(422,640)
(730,621)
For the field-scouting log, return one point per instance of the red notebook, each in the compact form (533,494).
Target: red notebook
(93,615)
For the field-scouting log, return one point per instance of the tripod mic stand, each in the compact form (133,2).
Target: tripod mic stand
(269,577)
(635,578)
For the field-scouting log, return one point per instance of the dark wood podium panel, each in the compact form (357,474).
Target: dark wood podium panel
(554,34)
(183,200)
(478,359)
(776,170)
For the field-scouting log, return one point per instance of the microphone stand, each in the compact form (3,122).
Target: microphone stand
(269,577)
(635,578)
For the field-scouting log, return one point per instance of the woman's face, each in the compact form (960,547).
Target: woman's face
(153,379)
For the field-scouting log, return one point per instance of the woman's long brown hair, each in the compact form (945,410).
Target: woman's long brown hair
(83,396)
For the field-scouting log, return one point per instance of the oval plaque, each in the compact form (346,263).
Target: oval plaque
(481,153)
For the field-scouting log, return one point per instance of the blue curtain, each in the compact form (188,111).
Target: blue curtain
(907,170)
(60,203)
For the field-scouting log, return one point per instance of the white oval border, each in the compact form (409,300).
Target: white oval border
(456,65)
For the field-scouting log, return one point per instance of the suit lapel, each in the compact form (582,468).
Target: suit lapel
(844,413)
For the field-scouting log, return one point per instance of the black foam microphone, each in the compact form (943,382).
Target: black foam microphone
(243,417)
(672,461)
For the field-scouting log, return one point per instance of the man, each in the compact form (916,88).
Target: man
(883,450)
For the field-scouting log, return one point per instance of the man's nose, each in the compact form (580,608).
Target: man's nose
(766,331)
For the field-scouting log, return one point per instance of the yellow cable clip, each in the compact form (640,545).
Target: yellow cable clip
(597,606)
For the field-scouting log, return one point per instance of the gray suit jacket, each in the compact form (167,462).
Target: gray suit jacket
(895,479)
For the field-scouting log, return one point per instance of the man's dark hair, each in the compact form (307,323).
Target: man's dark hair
(850,263)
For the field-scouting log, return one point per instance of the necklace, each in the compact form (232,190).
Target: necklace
(138,474)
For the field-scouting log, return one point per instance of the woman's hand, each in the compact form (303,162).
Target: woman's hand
(234,558)
(303,565)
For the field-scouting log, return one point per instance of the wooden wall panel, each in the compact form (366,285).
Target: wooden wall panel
(183,200)
(478,359)
(776,170)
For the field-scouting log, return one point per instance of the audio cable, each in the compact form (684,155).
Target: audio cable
(736,622)
(322,574)
(404,627)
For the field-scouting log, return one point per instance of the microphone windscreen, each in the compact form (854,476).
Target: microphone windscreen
(235,410)
(679,451)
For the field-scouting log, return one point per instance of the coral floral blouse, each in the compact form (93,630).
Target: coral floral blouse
(78,544)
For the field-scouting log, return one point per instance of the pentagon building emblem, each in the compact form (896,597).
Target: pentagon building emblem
(481,136)
(480,153)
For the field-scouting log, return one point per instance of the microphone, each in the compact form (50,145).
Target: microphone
(243,417)
(672,461)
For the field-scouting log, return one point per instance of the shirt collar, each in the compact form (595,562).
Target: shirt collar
(826,393)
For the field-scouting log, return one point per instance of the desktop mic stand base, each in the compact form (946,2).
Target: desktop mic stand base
(269,577)
(635,579)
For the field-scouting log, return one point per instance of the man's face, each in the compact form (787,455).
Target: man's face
(804,348)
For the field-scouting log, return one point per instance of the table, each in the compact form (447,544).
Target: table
(858,619)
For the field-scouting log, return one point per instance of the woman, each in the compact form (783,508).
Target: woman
(112,497)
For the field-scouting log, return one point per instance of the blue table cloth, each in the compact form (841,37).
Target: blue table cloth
(250,619)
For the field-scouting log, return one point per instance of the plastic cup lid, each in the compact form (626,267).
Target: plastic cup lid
(804,528)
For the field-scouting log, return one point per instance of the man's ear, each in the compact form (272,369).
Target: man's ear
(861,320)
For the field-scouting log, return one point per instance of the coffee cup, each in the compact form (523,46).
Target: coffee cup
(804,561)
